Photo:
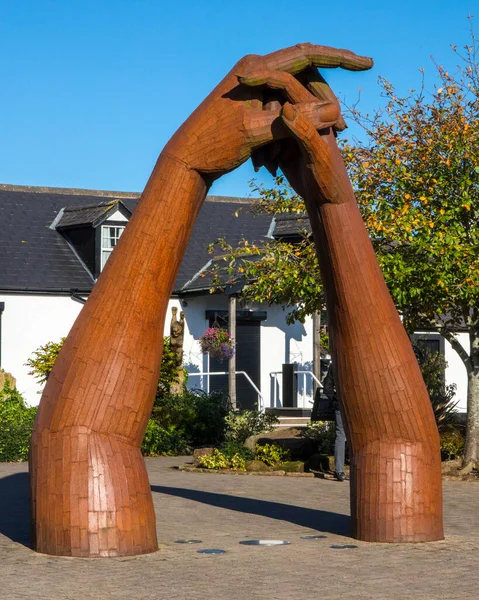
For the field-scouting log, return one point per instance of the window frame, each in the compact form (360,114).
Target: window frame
(99,242)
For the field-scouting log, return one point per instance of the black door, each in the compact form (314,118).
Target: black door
(248,348)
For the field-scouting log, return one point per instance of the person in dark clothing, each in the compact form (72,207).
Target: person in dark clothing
(329,390)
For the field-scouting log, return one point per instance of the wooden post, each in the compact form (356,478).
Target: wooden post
(232,360)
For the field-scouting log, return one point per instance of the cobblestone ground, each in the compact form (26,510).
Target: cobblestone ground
(222,510)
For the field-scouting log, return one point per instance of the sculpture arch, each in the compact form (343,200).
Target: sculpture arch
(89,487)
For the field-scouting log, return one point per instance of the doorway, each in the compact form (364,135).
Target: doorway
(248,356)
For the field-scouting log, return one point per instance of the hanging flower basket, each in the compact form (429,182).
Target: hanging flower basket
(217,343)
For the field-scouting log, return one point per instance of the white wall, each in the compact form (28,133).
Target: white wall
(27,323)
(456,371)
(31,321)
(196,323)
(279,343)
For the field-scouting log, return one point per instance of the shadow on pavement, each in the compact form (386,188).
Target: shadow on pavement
(320,520)
(15,508)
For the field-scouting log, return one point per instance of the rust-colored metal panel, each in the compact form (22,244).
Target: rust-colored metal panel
(90,491)
(396,486)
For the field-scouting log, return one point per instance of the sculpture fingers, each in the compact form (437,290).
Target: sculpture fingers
(296,58)
(277,80)
(318,86)
(319,155)
(261,128)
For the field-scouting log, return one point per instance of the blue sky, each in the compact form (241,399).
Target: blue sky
(91,90)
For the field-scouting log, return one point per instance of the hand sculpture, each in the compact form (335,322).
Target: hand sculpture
(89,487)
(396,487)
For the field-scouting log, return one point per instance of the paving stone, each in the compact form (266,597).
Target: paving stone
(222,511)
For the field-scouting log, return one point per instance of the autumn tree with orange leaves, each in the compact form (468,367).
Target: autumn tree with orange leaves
(417,183)
(416,177)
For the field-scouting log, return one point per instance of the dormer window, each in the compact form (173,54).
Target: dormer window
(109,237)
(92,231)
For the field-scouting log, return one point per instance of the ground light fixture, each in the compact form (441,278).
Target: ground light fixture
(188,541)
(265,542)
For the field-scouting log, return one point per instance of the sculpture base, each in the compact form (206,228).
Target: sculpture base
(396,491)
(93,497)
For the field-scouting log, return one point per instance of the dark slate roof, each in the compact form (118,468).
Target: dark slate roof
(288,225)
(231,218)
(91,214)
(34,256)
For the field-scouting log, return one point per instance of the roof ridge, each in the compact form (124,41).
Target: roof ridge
(70,191)
(104,204)
(232,199)
(7,187)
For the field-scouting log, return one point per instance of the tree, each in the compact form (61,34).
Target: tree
(416,177)
(417,181)
(278,271)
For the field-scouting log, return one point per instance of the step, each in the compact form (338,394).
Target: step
(290,412)
(293,422)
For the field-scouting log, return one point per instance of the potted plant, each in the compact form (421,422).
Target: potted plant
(217,342)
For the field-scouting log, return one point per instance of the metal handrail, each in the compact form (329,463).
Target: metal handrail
(274,374)
(312,375)
(260,395)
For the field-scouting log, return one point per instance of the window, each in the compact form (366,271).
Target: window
(429,342)
(109,238)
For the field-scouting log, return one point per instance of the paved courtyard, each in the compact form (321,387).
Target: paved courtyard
(221,510)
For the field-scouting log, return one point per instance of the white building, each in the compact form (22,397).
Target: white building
(54,243)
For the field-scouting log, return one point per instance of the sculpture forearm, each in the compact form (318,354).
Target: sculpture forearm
(396,488)
(90,489)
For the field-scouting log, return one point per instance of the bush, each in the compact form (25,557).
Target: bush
(160,441)
(43,359)
(218,460)
(198,419)
(230,448)
(16,425)
(452,444)
(271,454)
(323,434)
(241,424)
(235,456)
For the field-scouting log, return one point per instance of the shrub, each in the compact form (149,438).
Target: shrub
(241,424)
(323,434)
(235,456)
(230,448)
(271,454)
(218,460)
(43,359)
(238,463)
(452,444)
(201,418)
(16,425)
(160,441)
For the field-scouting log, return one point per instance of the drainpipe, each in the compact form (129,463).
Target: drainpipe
(77,298)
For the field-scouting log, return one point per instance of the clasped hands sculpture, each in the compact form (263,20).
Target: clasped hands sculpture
(90,490)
